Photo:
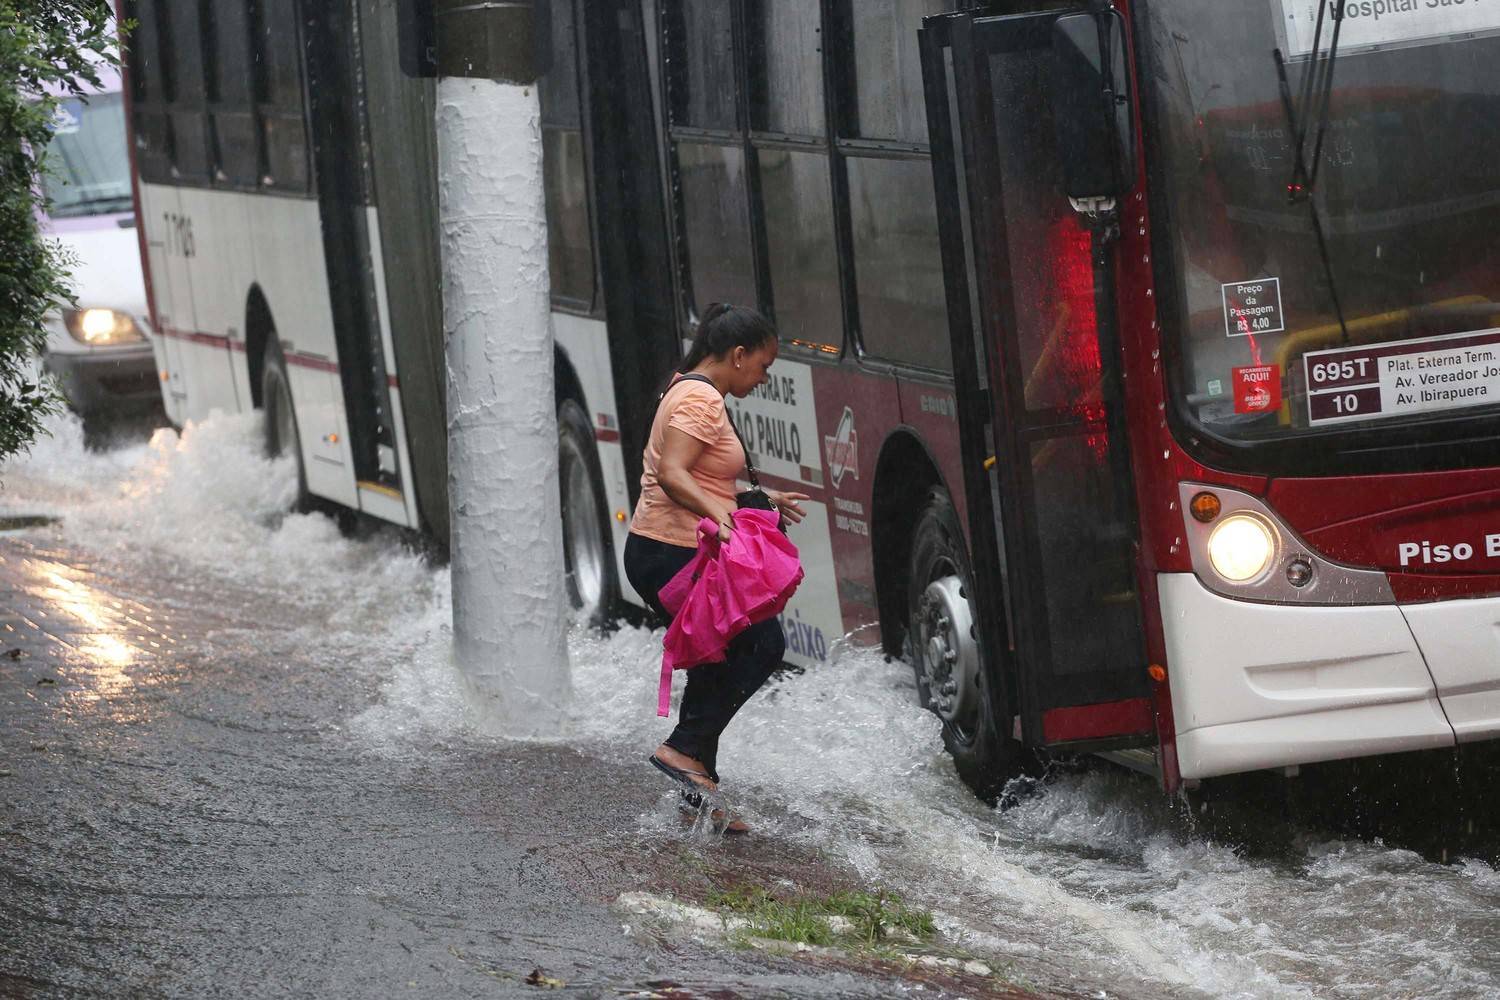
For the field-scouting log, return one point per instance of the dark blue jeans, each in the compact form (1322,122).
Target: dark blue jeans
(715,691)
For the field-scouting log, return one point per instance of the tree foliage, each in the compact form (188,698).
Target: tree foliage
(54,45)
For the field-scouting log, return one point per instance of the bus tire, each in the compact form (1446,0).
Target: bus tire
(588,545)
(281,415)
(953,681)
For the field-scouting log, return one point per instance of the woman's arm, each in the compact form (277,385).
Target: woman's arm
(680,451)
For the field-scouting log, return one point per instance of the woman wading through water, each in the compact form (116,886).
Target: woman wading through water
(692,460)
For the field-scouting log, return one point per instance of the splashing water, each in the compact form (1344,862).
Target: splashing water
(1097,878)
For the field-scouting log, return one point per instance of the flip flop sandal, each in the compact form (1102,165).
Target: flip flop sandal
(692,797)
(692,793)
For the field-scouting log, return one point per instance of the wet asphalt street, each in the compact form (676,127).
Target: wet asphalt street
(235,761)
(184,812)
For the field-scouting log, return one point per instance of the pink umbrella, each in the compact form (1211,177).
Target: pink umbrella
(727,588)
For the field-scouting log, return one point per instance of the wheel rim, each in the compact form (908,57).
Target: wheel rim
(949,653)
(583,538)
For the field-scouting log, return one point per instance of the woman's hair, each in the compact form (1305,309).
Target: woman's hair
(722,328)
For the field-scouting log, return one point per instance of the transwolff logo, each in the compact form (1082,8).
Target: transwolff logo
(843,449)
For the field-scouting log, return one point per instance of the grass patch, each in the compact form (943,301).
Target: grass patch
(875,916)
(805,919)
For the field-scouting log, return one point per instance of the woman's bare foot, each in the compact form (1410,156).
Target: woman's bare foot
(697,773)
(735,825)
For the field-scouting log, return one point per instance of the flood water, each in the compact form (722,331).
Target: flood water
(1095,878)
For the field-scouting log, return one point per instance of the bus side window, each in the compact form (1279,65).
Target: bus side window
(788,131)
(558,89)
(236,146)
(708,146)
(701,78)
(570,248)
(786,67)
(886,69)
(148,86)
(716,223)
(182,50)
(798,208)
(898,268)
(278,95)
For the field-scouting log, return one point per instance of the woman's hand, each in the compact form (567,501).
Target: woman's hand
(790,504)
(725,517)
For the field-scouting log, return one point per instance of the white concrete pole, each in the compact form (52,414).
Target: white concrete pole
(509,607)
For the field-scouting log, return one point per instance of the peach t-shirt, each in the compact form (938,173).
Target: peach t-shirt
(695,408)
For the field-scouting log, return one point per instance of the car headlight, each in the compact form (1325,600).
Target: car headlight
(102,327)
(1241,547)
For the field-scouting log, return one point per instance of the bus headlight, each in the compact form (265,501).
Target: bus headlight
(1240,547)
(1245,551)
(101,327)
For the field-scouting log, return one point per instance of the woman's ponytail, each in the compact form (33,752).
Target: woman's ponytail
(721,329)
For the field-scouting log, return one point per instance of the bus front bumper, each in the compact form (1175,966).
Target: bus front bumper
(1461,642)
(1267,685)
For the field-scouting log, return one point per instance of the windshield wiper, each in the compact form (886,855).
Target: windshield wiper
(1317,89)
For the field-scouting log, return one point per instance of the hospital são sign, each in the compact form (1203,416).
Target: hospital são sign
(1381,23)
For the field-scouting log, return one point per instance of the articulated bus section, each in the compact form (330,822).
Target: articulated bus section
(232,271)
(261,149)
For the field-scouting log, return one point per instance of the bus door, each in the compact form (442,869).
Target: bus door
(171,293)
(629,205)
(345,190)
(1048,477)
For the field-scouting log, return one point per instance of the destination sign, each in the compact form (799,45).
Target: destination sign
(1370,23)
(1412,376)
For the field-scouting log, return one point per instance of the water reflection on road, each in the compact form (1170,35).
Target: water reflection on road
(1097,881)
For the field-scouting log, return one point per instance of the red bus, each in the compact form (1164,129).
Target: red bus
(1140,359)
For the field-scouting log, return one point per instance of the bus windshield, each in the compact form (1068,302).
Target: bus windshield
(88,163)
(1352,290)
